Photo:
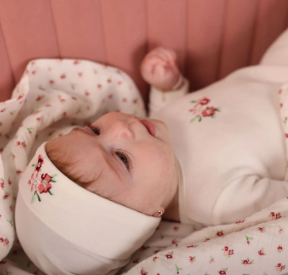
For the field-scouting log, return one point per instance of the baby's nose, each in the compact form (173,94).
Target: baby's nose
(120,129)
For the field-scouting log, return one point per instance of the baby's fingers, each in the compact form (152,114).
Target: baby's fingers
(168,55)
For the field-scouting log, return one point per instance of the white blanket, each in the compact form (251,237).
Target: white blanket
(55,95)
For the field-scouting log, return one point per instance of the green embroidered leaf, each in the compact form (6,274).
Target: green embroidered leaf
(194,101)
(33,165)
(193,119)
(50,192)
(200,118)
(33,198)
(39,199)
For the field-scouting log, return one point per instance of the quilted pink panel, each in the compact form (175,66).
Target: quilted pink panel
(212,38)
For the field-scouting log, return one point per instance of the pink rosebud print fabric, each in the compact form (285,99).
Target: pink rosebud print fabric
(52,97)
(55,95)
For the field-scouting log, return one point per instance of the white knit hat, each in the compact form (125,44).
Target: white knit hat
(65,229)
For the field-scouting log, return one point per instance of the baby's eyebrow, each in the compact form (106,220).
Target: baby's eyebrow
(106,158)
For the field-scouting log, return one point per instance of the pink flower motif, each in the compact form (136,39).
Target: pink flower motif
(1,183)
(231,252)
(39,97)
(280,267)
(278,216)
(239,222)
(247,262)
(154,259)
(193,245)
(209,111)
(212,261)
(192,259)
(156,251)
(136,261)
(4,242)
(261,253)
(281,230)
(6,196)
(220,233)
(261,229)
(174,242)
(169,256)
(280,248)
(175,228)
(272,215)
(204,101)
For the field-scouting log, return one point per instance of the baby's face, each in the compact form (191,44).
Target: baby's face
(126,159)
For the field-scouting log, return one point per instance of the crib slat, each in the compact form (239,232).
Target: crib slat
(204,40)
(79,29)
(239,27)
(124,25)
(29,32)
(6,75)
(167,26)
(272,19)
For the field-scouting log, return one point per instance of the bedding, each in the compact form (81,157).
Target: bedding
(55,95)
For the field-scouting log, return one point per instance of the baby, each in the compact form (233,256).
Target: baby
(211,157)
(226,159)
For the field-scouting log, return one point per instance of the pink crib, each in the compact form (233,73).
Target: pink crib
(212,38)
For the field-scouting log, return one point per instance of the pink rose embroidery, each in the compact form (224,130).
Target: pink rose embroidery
(5,242)
(174,242)
(274,216)
(280,248)
(223,271)
(211,260)
(193,245)
(154,259)
(220,233)
(227,252)
(247,262)
(261,229)
(200,109)
(169,255)
(192,259)
(280,267)
(40,184)
(261,252)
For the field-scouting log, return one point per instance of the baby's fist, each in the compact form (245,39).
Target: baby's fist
(159,69)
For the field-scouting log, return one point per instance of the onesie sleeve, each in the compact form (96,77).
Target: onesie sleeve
(159,99)
(246,196)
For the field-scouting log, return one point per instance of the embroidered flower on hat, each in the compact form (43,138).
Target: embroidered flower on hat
(40,184)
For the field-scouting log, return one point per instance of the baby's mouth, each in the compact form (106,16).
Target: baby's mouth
(88,130)
(149,126)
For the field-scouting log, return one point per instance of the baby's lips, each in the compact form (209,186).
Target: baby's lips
(149,126)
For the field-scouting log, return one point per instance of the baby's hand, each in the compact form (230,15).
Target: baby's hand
(159,69)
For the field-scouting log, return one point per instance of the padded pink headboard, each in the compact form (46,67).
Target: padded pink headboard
(211,37)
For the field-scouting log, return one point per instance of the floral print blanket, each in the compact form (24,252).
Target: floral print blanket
(55,95)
